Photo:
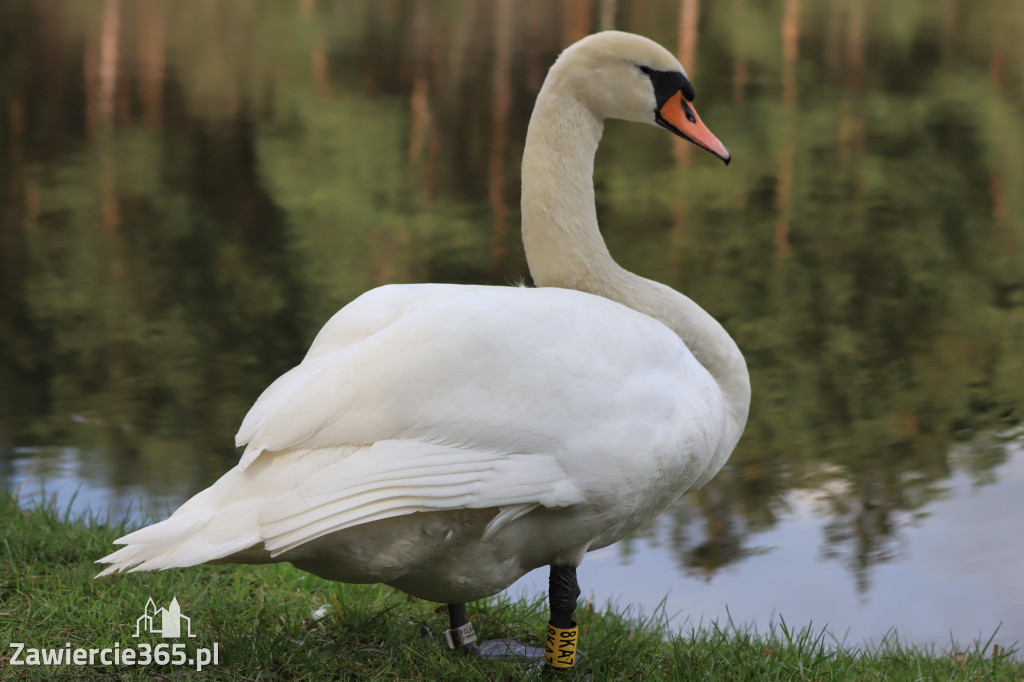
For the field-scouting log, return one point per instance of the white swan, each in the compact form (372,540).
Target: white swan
(447,439)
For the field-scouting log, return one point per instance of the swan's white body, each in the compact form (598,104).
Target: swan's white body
(447,439)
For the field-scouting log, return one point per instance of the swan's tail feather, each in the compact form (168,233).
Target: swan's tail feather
(179,541)
(216,524)
(267,510)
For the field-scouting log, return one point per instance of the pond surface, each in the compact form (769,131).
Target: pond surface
(187,195)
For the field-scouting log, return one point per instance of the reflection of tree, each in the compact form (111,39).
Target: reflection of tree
(190,196)
(126,285)
(864,351)
(860,531)
(714,527)
(721,541)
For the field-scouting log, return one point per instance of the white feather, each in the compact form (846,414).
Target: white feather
(447,439)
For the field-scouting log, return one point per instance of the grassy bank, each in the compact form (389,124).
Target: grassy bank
(261,619)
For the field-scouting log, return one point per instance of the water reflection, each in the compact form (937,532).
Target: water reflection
(80,483)
(930,595)
(188,195)
(949,579)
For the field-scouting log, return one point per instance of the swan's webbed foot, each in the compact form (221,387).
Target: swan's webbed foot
(462,638)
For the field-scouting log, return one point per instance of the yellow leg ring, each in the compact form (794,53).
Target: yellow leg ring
(560,647)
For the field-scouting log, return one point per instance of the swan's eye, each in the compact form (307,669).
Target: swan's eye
(668,83)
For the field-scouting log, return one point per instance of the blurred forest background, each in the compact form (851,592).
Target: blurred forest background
(189,190)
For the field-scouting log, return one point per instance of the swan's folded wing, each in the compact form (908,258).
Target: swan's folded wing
(483,397)
(337,373)
(476,367)
(394,477)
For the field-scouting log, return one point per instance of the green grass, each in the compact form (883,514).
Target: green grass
(260,618)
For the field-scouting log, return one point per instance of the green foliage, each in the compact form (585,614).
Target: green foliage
(172,238)
(261,619)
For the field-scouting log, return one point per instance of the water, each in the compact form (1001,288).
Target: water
(188,196)
(946,580)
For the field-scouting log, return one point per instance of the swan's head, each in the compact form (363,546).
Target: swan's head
(626,76)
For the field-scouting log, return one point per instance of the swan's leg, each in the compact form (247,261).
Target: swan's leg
(461,635)
(560,648)
(563,591)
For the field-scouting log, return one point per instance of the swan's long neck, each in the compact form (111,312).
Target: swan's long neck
(564,247)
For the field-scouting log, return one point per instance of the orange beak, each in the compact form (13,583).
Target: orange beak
(681,118)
